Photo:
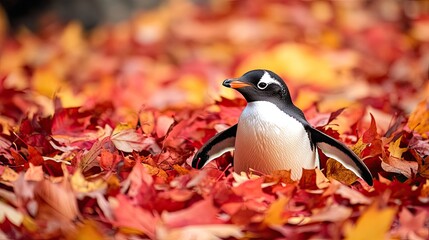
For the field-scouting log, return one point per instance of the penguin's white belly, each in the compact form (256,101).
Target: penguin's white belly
(268,139)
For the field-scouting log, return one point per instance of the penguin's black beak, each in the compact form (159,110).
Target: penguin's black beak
(235,83)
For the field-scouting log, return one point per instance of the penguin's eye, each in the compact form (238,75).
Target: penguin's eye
(262,85)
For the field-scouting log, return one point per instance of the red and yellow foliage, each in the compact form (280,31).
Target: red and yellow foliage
(97,128)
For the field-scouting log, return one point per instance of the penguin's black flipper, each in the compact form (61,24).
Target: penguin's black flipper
(340,152)
(216,146)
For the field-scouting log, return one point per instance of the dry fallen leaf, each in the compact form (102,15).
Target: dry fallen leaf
(88,230)
(12,214)
(336,170)
(374,222)
(203,232)
(395,150)
(355,197)
(400,166)
(58,197)
(129,216)
(80,184)
(127,139)
(208,214)
(412,226)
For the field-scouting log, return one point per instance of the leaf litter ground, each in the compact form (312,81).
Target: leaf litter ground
(98,128)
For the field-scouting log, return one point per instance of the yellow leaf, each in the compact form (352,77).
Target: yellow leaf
(373,223)
(306,98)
(359,146)
(29,224)
(195,88)
(395,150)
(46,82)
(419,119)
(295,61)
(69,98)
(274,215)
(9,175)
(121,127)
(80,184)
(72,38)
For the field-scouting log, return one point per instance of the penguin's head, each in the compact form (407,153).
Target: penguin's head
(260,85)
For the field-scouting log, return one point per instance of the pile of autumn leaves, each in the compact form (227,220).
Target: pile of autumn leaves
(71,169)
(75,174)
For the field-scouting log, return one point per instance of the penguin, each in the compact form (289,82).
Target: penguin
(273,134)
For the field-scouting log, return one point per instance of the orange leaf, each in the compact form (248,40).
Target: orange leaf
(108,160)
(275,213)
(280,176)
(424,193)
(154,171)
(419,119)
(89,230)
(35,157)
(336,170)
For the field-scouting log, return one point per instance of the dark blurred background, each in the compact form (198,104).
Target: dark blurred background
(35,13)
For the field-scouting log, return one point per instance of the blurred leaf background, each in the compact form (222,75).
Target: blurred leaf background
(176,53)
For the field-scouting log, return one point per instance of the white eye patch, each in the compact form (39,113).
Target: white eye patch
(266,80)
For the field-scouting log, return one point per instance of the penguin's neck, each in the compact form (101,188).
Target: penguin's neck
(266,113)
